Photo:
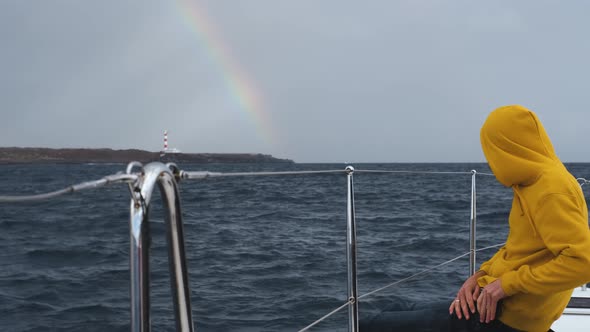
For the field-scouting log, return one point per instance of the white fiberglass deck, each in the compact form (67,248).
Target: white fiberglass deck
(576,317)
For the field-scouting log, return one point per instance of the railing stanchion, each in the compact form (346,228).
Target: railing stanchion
(473,224)
(157,173)
(176,254)
(353,321)
(139,262)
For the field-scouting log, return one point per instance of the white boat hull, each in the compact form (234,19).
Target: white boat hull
(575,319)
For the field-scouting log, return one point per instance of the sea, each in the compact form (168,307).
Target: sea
(265,253)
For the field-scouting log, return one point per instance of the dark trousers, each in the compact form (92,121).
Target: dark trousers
(473,324)
(427,317)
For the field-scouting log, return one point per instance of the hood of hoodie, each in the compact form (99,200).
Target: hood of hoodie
(516,145)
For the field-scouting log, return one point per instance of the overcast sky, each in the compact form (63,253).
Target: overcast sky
(309,80)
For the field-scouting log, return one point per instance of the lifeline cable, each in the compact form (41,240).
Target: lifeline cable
(427,270)
(326,316)
(116,178)
(396,283)
(199,175)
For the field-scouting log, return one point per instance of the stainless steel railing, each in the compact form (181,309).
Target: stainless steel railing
(353,307)
(142,190)
(166,177)
(473,224)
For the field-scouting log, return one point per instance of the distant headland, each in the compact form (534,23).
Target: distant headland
(14,155)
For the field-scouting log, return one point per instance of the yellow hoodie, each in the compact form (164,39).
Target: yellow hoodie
(547,252)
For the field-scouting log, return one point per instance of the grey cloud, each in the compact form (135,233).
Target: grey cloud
(340,80)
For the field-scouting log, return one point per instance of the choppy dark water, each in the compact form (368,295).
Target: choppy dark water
(265,254)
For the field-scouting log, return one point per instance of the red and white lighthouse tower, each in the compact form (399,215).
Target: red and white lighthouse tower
(166,150)
(165,141)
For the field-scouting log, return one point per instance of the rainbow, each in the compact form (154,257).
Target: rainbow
(241,87)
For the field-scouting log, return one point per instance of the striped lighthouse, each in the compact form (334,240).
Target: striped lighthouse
(165,140)
(166,149)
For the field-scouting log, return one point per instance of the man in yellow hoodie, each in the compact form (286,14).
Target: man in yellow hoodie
(547,253)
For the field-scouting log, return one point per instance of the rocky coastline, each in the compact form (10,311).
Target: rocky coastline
(16,155)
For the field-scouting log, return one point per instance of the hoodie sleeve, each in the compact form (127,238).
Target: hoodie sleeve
(563,227)
(485,266)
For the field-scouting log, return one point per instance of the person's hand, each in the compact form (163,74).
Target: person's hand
(487,301)
(464,303)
